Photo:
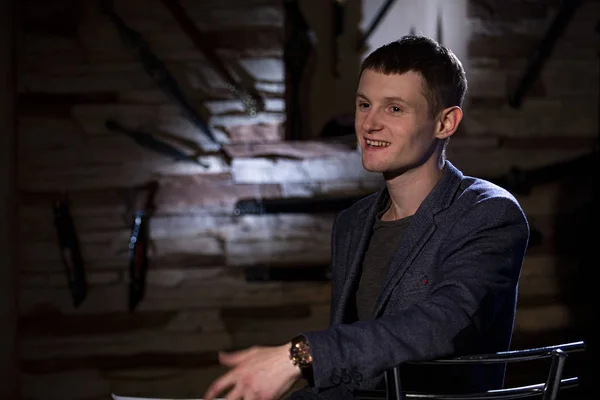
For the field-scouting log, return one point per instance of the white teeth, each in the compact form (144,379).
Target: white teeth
(377,143)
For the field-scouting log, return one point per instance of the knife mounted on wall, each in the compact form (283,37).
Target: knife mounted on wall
(383,10)
(299,48)
(139,242)
(70,251)
(249,96)
(157,70)
(339,8)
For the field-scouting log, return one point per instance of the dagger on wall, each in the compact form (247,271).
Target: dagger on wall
(157,70)
(139,241)
(70,251)
(248,95)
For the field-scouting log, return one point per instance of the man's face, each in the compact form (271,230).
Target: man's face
(393,122)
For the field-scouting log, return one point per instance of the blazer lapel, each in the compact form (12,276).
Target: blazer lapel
(357,242)
(419,230)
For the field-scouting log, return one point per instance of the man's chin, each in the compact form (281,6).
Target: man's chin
(373,168)
(388,171)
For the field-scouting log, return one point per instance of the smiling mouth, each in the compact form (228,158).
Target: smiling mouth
(377,143)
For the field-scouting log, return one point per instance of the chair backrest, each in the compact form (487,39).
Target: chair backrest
(548,390)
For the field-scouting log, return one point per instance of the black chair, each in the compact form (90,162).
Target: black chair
(548,390)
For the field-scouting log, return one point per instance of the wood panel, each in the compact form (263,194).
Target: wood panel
(9,350)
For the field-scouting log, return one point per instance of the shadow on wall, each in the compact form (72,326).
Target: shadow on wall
(333,83)
(577,241)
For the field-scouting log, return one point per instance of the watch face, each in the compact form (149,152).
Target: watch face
(300,352)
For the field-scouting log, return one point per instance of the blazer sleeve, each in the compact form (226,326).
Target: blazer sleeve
(335,273)
(479,268)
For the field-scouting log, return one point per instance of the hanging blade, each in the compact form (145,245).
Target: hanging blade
(252,101)
(139,242)
(149,142)
(338,30)
(381,13)
(70,251)
(157,70)
(298,50)
(439,30)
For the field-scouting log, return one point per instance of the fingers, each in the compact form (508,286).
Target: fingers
(237,393)
(219,386)
(240,392)
(250,395)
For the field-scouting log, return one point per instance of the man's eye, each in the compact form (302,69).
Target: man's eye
(395,109)
(363,105)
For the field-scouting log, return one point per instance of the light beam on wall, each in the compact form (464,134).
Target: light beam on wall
(444,20)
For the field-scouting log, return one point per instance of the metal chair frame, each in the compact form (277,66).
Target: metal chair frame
(548,390)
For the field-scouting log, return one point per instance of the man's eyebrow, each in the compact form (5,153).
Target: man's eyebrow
(396,99)
(387,99)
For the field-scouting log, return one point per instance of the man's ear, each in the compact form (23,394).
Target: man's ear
(448,121)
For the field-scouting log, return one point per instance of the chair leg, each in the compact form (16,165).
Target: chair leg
(552,386)
(393,385)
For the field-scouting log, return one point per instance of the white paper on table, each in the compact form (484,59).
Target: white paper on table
(115,397)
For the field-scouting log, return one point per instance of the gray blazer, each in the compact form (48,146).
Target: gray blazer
(450,290)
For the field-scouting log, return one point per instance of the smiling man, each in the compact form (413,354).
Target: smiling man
(425,268)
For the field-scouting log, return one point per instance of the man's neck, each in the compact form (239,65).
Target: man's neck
(409,189)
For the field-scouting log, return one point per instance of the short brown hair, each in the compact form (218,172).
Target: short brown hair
(441,70)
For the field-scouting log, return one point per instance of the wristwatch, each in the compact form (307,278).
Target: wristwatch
(302,357)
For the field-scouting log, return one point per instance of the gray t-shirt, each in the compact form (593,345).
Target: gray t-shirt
(384,241)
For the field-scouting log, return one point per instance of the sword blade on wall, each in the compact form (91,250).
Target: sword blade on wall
(381,13)
(70,251)
(297,52)
(338,11)
(139,242)
(439,27)
(157,70)
(149,142)
(558,25)
(252,101)
(138,259)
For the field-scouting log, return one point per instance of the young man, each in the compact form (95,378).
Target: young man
(425,268)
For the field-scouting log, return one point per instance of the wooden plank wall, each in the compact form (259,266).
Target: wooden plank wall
(9,349)
(75,73)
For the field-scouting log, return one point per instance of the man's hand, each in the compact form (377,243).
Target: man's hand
(258,373)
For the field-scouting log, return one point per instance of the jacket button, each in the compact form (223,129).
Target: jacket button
(335,378)
(356,376)
(345,376)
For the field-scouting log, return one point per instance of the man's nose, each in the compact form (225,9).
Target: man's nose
(371,122)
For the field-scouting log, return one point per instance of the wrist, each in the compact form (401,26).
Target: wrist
(295,370)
